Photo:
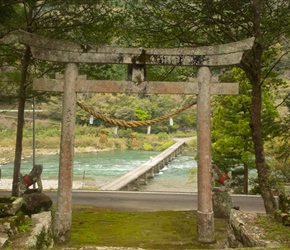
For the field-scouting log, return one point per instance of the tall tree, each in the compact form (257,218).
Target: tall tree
(204,22)
(88,22)
(231,134)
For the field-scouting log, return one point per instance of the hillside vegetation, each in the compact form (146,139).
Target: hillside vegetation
(87,138)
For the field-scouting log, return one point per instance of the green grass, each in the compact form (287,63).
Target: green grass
(155,230)
(148,230)
(275,230)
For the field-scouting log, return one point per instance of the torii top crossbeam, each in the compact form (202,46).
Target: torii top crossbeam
(58,51)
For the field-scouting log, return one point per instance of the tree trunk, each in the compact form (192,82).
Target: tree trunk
(254,73)
(20,122)
(256,130)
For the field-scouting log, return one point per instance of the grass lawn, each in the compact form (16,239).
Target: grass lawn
(148,230)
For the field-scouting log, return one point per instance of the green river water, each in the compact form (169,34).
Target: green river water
(103,167)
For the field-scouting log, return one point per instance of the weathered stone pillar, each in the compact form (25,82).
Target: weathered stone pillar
(63,215)
(205,217)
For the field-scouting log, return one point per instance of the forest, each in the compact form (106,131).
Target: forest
(249,130)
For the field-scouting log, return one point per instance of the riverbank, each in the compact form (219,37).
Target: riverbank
(7,153)
(6,184)
(91,184)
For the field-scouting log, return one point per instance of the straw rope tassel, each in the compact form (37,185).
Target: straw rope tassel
(103,138)
(134,140)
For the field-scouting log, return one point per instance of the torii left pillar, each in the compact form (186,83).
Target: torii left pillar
(63,215)
(205,215)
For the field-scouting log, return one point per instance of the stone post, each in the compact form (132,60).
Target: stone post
(63,215)
(205,216)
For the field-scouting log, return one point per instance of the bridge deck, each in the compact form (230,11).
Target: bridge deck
(140,174)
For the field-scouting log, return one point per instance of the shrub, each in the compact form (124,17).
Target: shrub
(162,135)
(125,133)
(165,145)
(147,146)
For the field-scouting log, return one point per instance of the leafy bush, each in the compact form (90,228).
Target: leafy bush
(165,145)
(140,136)
(87,130)
(147,146)
(162,135)
(125,133)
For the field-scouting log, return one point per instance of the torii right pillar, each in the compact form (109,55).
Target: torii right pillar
(205,215)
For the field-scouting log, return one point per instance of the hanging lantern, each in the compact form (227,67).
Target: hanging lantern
(148,130)
(171,121)
(134,140)
(103,138)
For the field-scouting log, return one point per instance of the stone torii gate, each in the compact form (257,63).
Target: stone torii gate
(72,83)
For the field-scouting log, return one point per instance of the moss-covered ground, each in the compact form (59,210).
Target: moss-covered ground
(275,230)
(148,230)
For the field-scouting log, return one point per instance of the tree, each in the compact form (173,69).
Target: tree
(187,23)
(84,23)
(279,148)
(232,143)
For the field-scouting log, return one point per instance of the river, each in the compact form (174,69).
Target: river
(96,169)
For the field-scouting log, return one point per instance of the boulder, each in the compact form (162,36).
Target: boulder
(41,236)
(9,206)
(35,203)
(9,228)
(244,232)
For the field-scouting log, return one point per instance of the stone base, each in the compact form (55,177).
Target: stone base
(222,204)
(205,227)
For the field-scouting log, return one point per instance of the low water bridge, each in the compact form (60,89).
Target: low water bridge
(140,175)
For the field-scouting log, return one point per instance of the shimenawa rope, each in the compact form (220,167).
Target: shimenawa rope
(132,124)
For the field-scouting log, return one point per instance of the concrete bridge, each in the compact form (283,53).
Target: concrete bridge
(141,174)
